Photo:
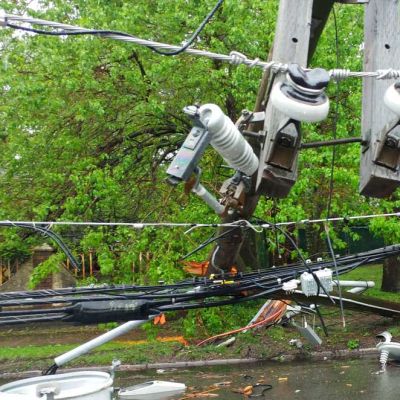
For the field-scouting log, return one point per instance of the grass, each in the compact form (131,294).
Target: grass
(38,357)
(372,273)
(252,344)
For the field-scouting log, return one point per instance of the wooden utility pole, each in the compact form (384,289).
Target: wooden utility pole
(299,27)
(291,45)
(382,51)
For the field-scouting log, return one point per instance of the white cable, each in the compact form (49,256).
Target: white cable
(234,57)
(240,223)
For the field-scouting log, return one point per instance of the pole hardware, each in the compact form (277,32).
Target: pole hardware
(193,148)
(388,149)
(286,146)
(379,173)
(325,143)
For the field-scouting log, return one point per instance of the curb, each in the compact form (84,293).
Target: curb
(313,356)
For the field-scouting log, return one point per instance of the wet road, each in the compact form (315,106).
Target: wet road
(327,380)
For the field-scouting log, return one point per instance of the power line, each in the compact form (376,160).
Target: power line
(194,225)
(234,57)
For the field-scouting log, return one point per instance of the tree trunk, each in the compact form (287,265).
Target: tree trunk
(391,275)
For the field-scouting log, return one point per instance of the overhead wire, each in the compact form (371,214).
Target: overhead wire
(234,57)
(333,161)
(143,225)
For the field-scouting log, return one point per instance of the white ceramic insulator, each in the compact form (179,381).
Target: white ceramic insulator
(227,140)
(384,358)
(392,99)
(297,110)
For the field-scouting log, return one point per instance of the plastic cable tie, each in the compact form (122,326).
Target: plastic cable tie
(138,226)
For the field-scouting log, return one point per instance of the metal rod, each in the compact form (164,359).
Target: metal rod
(96,342)
(324,143)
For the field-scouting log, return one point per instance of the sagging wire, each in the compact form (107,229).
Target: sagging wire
(195,34)
(234,57)
(180,50)
(49,233)
(166,297)
(331,181)
(195,225)
(212,239)
(294,244)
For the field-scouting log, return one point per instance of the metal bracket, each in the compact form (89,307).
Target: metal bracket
(388,149)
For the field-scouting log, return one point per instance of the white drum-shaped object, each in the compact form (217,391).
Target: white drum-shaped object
(85,385)
(153,390)
(392,98)
(299,110)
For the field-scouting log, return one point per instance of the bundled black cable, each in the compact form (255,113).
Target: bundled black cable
(129,302)
(49,233)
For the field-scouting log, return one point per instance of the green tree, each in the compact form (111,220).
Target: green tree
(90,124)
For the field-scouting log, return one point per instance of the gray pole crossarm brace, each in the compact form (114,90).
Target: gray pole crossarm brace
(382,51)
(96,342)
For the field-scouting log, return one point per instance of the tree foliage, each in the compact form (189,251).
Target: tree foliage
(89,125)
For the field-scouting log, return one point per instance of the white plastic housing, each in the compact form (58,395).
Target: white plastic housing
(84,385)
(392,99)
(153,390)
(309,286)
(297,110)
(227,140)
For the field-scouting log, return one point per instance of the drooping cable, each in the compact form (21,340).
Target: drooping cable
(294,244)
(331,181)
(180,50)
(192,225)
(49,233)
(194,36)
(234,57)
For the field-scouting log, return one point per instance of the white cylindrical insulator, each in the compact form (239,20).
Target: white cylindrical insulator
(227,140)
(392,98)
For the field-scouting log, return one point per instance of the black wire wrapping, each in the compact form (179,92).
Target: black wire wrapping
(52,235)
(110,32)
(65,305)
